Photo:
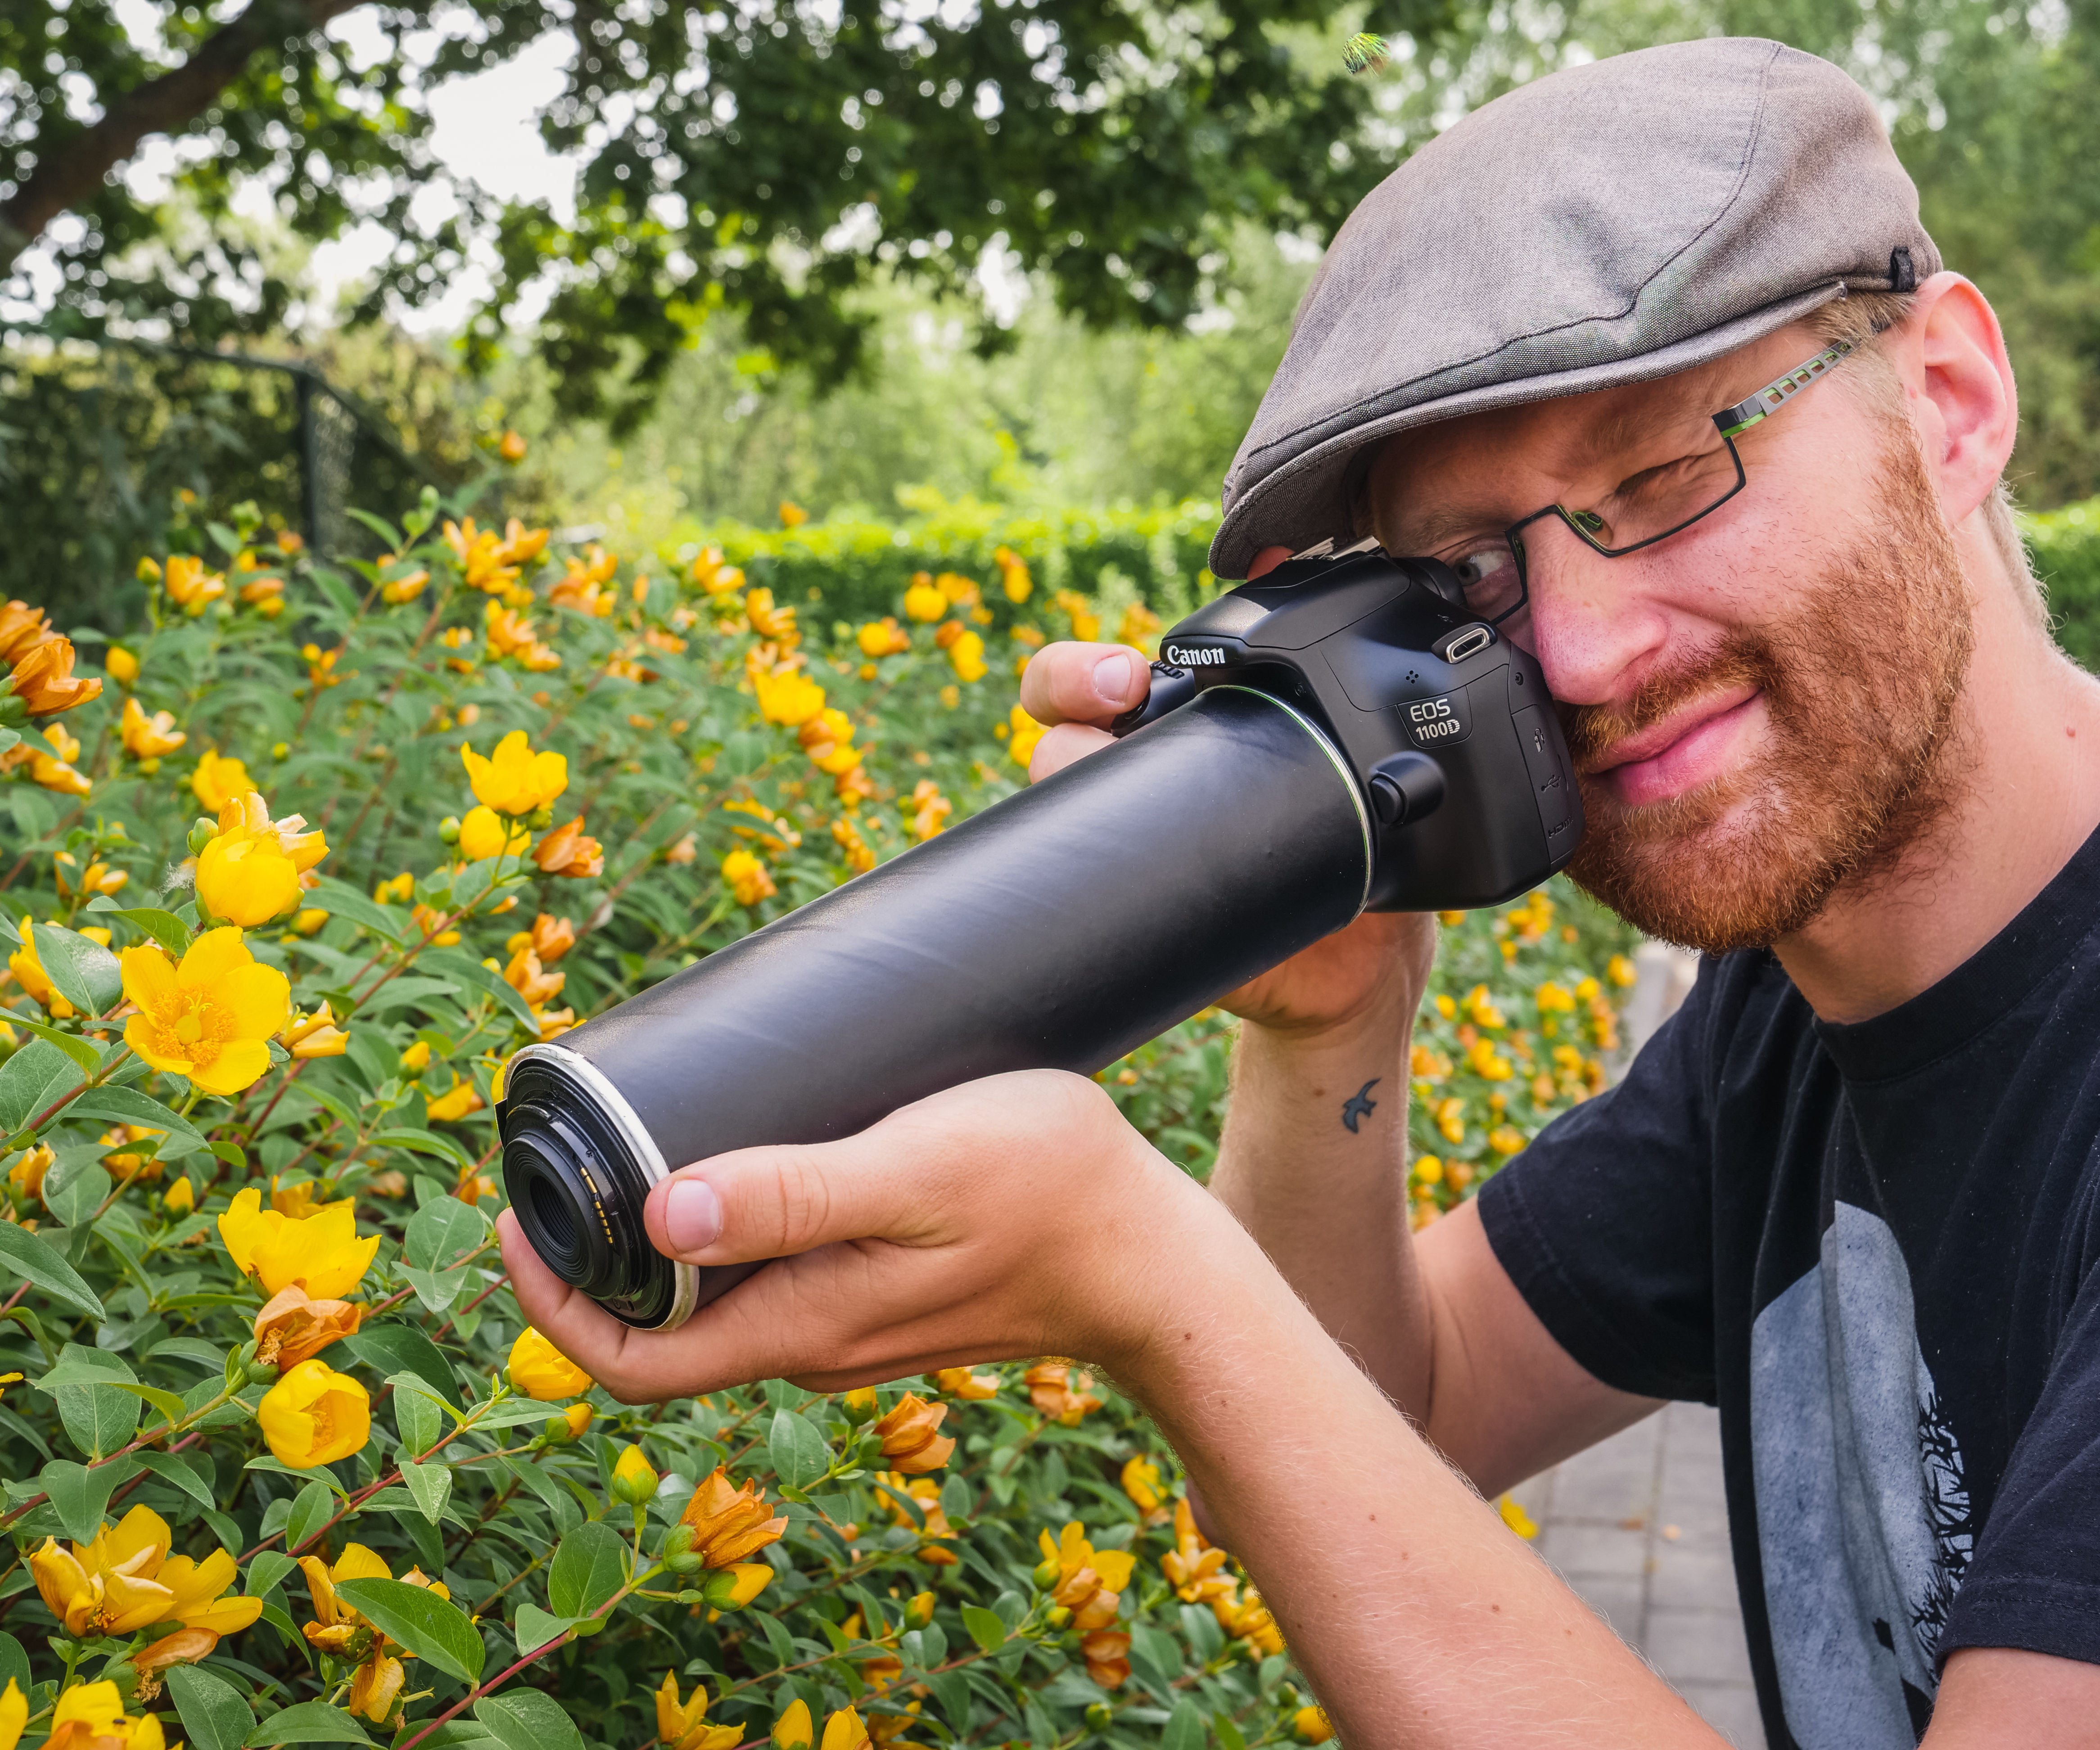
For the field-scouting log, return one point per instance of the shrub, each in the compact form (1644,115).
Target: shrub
(2066,545)
(284,1466)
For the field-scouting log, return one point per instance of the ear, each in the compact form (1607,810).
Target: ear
(1959,382)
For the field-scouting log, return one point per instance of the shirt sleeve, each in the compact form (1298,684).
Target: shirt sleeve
(1605,1222)
(2034,1580)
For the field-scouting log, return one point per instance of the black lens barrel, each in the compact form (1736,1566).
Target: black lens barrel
(1059,929)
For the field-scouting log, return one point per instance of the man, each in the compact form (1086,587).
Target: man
(1657,354)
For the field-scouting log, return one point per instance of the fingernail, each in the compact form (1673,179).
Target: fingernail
(692,1215)
(1112,677)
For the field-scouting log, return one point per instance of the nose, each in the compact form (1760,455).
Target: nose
(1591,622)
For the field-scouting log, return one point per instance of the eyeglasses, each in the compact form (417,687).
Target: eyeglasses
(1649,507)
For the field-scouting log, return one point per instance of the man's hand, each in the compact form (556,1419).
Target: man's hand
(1015,1216)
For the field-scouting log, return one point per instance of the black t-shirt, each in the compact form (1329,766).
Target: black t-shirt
(1873,1247)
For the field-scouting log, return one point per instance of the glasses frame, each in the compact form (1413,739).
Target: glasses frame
(1732,421)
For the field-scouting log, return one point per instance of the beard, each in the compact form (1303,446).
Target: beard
(1860,684)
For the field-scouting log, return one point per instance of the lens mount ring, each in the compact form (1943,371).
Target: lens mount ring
(640,1145)
(1335,759)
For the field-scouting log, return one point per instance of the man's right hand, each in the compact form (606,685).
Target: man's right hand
(1380,961)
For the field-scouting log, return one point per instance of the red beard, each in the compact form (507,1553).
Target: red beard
(1860,686)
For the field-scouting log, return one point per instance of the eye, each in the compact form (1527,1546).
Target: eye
(1484,566)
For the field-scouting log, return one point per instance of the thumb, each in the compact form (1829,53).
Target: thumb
(776,1201)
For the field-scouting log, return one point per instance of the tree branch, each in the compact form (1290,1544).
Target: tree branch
(70,175)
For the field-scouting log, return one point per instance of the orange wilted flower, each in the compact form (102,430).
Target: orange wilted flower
(767,621)
(730,1525)
(960,1383)
(44,679)
(20,627)
(524,975)
(1086,1581)
(931,810)
(1052,1390)
(568,851)
(932,1521)
(293,1327)
(1195,1570)
(189,584)
(911,1439)
(148,737)
(1107,1654)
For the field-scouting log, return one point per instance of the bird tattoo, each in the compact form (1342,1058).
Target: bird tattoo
(1358,1105)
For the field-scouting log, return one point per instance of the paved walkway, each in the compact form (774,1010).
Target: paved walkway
(1639,1527)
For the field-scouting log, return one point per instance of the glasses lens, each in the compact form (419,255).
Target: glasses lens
(1658,500)
(1487,571)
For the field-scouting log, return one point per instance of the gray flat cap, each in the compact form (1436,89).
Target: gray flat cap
(1608,224)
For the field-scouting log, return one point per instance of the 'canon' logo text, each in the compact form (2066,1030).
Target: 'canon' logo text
(1194,656)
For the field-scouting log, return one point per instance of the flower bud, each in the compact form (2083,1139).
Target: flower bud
(202,832)
(571,1425)
(1058,1616)
(1100,1716)
(281,750)
(448,829)
(1046,1574)
(541,817)
(254,1370)
(919,1611)
(860,1405)
(731,1588)
(633,1477)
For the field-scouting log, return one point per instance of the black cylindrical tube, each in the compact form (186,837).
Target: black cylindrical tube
(1060,929)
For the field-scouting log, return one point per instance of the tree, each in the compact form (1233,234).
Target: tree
(764,158)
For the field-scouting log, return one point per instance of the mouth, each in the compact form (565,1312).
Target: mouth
(1691,747)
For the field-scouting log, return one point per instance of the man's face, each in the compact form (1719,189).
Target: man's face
(1760,708)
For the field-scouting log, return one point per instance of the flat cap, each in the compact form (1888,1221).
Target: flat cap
(1608,224)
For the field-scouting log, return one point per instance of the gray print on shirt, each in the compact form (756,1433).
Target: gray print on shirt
(1863,1515)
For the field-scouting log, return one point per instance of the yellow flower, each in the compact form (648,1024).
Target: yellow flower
(1516,1517)
(23,964)
(1141,1482)
(844,1731)
(249,871)
(460,1100)
(729,1524)
(1086,623)
(512,448)
(1089,1582)
(148,737)
(54,770)
(767,621)
(1012,574)
(794,1730)
(406,587)
(1621,972)
(340,1630)
(883,637)
(1428,1170)
(539,1370)
(416,1058)
(180,1197)
(790,699)
(218,780)
(747,878)
(485,833)
(966,656)
(911,1439)
(319,1253)
(208,1019)
(190,585)
(633,1477)
(314,1416)
(517,781)
(1024,732)
(123,1580)
(90,1717)
(1139,625)
(315,1035)
(27,1174)
(792,515)
(1311,1726)
(930,809)
(1505,1139)
(122,665)
(925,600)
(683,1726)
(400,888)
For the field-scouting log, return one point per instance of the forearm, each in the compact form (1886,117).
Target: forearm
(1326,1199)
(1420,1619)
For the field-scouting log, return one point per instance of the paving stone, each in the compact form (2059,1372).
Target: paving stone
(1698,1646)
(1690,1578)
(1583,1551)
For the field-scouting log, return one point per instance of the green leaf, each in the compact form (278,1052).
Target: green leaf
(213,1712)
(1227,1732)
(437,1289)
(308,1722)
(470,971)
(75,1189)
(419,1419)
(340,901)
(400,1348)
(80,1493)
(270,1570)
(169,1404)
(533,1627)
(529,1719)
(984,1628)
(311,1509)
(14,1664)
(589,1566)
(30,1080)
(164,927)
(422,1142)
(98,1419)
(25,1255)
(951,1688)
(85,1052)
(83,972)
(127,1106)
(440,1233)
(798,1450)
(1184,1728)
(431,1484)
(429,1626)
